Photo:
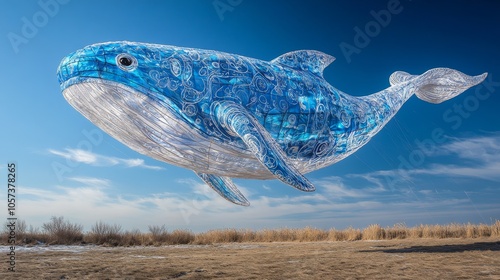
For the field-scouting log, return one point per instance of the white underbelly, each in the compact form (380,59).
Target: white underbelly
(152,129)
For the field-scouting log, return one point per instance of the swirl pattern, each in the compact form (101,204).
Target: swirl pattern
(232,116)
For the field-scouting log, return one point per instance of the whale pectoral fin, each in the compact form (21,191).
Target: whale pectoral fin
(237,120)
(225,188)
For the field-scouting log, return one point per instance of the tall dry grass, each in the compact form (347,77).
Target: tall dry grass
(159,235)
(60,231)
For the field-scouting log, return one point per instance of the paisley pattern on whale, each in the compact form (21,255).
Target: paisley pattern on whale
(224,115)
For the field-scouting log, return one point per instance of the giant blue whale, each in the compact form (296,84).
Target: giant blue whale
(224,115)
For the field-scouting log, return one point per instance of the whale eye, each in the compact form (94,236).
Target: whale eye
(126,62)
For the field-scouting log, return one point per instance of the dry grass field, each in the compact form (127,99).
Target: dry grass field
(384,259)
(62,232)
(61,250)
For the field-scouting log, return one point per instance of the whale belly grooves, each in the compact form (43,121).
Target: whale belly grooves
(157,131)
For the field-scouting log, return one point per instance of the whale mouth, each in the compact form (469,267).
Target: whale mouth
(99,100)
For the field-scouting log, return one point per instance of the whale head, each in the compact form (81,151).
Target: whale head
(146,69)
(129,90)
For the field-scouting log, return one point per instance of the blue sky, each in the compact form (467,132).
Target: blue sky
(430,164)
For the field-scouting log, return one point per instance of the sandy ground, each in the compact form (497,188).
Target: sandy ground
(392,259)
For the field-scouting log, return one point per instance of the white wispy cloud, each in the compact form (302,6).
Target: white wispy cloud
(487,171)
(483,149)
(86,157)
(89,181)
(477,157)
(336,186)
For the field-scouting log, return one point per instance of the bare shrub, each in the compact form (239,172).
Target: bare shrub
(62,232)
(159,234)
(105,234)
(20,231)
(133,238)
(34,236)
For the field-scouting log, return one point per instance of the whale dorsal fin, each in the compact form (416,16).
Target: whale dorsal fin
(305,60)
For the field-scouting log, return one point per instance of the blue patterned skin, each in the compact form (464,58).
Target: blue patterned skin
(237,116)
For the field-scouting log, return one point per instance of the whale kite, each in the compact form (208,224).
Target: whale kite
(229,116)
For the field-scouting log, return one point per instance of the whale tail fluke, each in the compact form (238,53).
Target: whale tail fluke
(439,84)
